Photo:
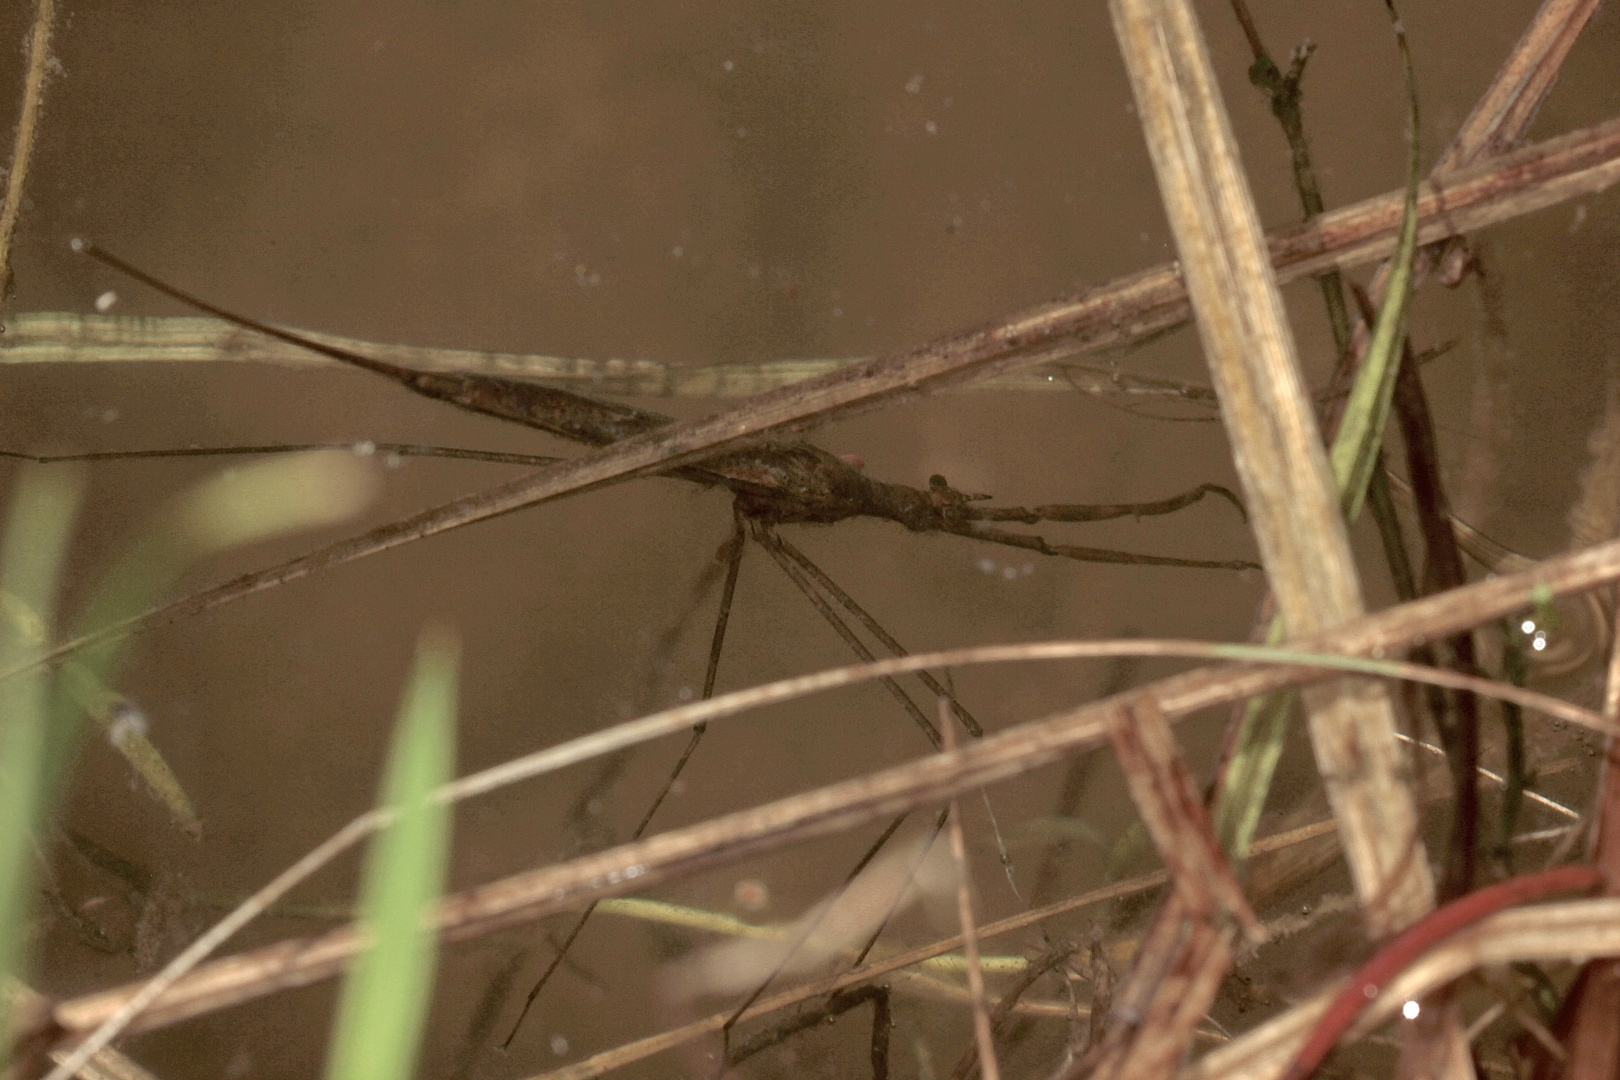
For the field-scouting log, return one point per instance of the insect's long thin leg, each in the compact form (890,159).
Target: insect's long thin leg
(717,644)
(876,629)
(825,1013)
(770,542)
(814,924)
(1080,553)
(364,448)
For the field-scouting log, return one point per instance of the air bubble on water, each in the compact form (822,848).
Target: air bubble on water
(685,693)
(105,302)
(128,722)
(1528,626)
(986,566)
(559,1046)
(914,84)
(365,449)
(1539,642)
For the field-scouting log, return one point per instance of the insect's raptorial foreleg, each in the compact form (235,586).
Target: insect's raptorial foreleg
(1100,511)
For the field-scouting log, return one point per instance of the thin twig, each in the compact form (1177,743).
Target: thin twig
(983,1036)
(1016,751)
(1538,176)
(22,150)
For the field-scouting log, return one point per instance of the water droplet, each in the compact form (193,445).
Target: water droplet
(914,84)
(986,566)
(128,723)
(727,66)
(676,252)
(750,894)
(685,693)
(105,302)
(559,1046)
(1410,1010)
(931,127)
(365,449)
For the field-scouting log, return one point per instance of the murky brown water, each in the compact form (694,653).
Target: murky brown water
(691,184)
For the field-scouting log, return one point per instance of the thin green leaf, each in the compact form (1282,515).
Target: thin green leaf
(1361,435)
(386,994)
(42,515)
(229,509)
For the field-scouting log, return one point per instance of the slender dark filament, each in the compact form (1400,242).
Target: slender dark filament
(814,924)
(771,543)
(365,448)
(876,629)
(715,648)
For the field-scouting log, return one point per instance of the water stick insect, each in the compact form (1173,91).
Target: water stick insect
(777,484)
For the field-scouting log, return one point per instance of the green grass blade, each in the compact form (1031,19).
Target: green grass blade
(386,995)
(231,509)
(1355,450)
(36,535)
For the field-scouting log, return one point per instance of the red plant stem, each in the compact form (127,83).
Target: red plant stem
(1417,939)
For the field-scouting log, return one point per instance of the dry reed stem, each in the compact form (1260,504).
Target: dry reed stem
(1173,811)
(1577,164)
(1503,113)
(1294,509)
(1276,445)
(1594,1037)
(1541,933)
(634,732)
(983,1034)
(105,1064)
(1580,163)
(61,337)
(632,867)
(22,150)
(619,1056)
